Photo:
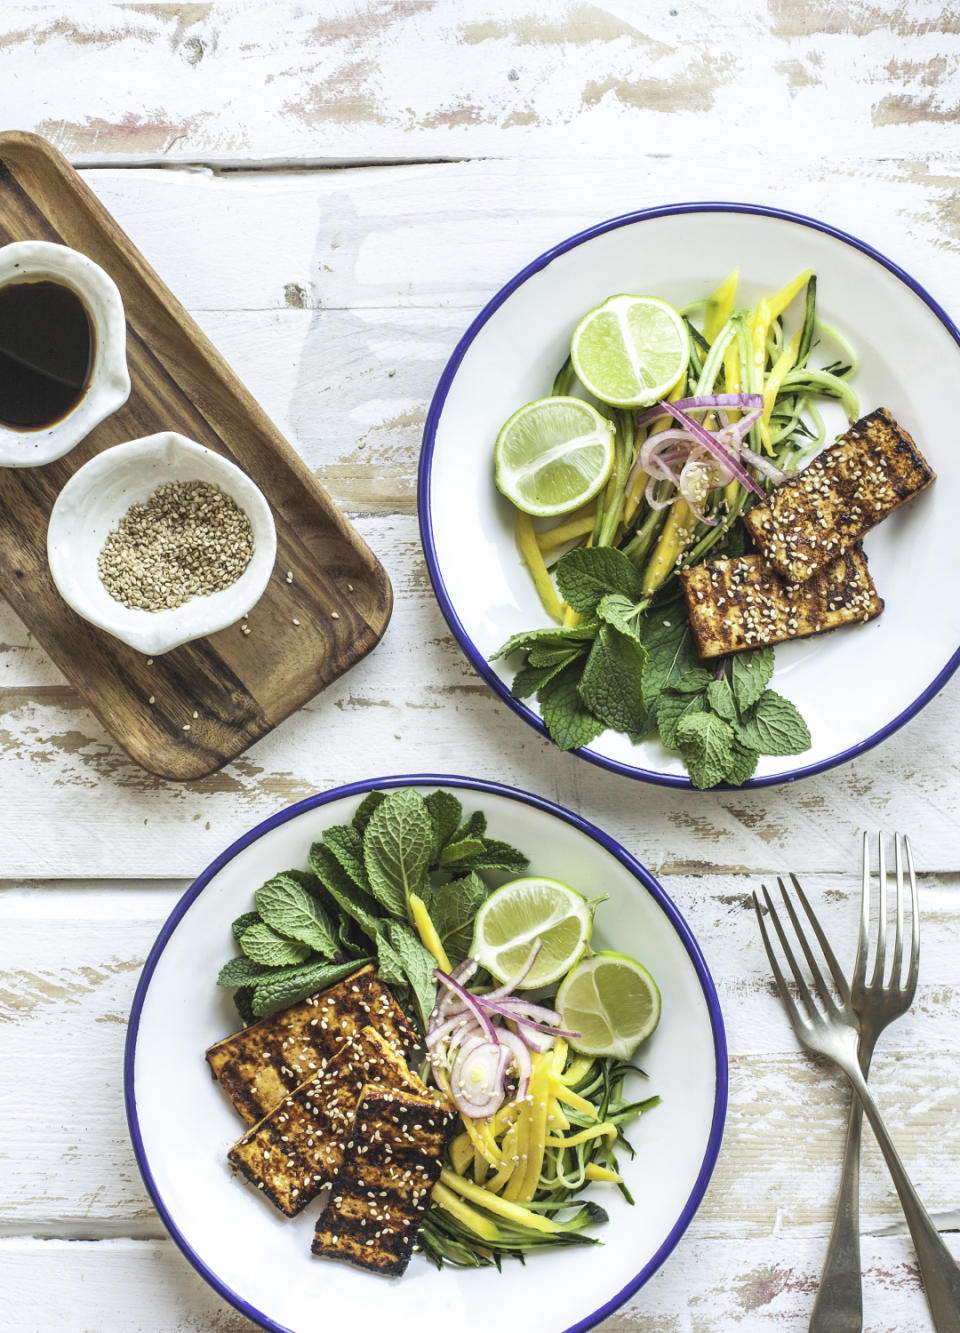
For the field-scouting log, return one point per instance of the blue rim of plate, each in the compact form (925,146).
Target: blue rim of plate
(476,658)
(653,887)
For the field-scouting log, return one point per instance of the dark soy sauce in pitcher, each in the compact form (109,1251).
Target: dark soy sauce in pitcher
(46,351)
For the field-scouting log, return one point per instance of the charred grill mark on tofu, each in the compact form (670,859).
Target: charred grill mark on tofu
(258,1066)
(383,1190)
(741,603)
(298,1148)
(828,507)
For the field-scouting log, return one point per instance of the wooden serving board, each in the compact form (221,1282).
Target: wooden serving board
(230,688)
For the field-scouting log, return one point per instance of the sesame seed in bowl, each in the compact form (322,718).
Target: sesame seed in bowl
(160,541)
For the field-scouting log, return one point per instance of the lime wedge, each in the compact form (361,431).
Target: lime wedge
(612,1001)
(526,910)
(630,351)
(553,455)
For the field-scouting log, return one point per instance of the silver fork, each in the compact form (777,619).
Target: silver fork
(828,1025)
(838,1307)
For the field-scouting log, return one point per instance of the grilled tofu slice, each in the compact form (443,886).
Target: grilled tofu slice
(383,1190)
(829,506)
(741,603)
(298,1148)
(258,1066)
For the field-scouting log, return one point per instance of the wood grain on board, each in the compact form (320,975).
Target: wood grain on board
(185,713)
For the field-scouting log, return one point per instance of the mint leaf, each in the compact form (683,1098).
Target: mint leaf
(671,653)
(610,685)
(549,655)
(445,813)
(706,743)
(622,614)
(750,674)
(243,922)
(553,634)
(364,811)
(243,999)
(347,846)
(265,946)
(419,964)
(452,909)
(474,827)
(291,911)
(398,848)
(672,707)
(565,715)
(585,575)
(281,991)
(742,765)
(461,851)
(720,698)
(389,964)
(696,681)
(496,855)
(774,726)
(351,900)
(239,971)
(529,680)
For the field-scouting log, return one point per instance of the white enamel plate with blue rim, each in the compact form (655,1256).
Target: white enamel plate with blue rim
(182,1125)
(854,686)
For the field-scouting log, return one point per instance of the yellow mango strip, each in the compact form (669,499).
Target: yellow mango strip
(676,533)
(778,302)
(508,1152)
(512,1212)
(461,1153)
(520,1152)
(484,1144)
(480,1168)
(781,367)
(451,1203)
(428,931)
(574,1101)
(564,532)
(527,542)
(578,1070)
(559,1056)
(555,1117)
(593,1171)
(607,1130)
(720,306)
(536,1143)
(571,618)
(504,1118)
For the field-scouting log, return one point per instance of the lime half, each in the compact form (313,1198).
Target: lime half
(630,351)
(526,910)
(553,455)
(612,1001)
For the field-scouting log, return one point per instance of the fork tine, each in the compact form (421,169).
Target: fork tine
(878,966)
(802,987)
(823,991)
(836,970)
(914,968)
(860,966)
(778,976)
(898,936)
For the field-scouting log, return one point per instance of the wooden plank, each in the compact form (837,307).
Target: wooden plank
(70,958)
(218,80)
(766,1285)
(185,714)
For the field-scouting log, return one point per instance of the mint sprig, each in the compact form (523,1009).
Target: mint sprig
(313,927)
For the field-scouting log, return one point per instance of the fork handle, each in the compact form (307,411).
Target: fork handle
(941,1276)
(838,1307)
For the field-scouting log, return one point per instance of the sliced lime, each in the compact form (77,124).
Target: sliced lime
(612,1001)
(526,910)
(553,455)
(630,351)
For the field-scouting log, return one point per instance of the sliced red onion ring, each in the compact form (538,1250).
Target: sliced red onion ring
(520,1052)
(470,1001)
(764,465)
(705,438)
(516,982)
(476,1079)
(701,402)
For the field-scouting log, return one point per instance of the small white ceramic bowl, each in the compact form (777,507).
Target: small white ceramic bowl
(108,383)
(97,497)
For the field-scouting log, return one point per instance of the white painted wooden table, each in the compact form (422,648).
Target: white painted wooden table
(333,189)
